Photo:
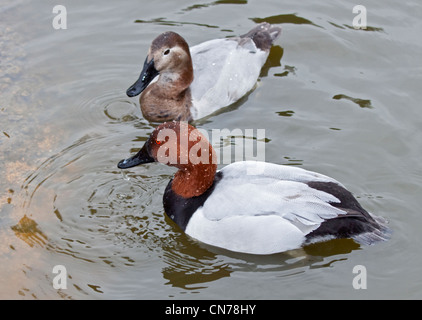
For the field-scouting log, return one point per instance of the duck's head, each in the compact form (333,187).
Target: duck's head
(168,56)
(183,146)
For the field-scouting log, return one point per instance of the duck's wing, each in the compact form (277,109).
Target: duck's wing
(278,208)
(224,71)
(273,189)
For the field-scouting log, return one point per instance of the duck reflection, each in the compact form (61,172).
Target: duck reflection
(192,265)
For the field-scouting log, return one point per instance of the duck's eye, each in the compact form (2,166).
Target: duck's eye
(167,52)
(158,142)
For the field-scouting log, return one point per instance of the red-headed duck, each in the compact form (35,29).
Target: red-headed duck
(182,83)
(251,206)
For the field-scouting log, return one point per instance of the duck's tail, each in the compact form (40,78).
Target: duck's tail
(263,35)
(381,233)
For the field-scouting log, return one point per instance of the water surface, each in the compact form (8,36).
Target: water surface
(332,99)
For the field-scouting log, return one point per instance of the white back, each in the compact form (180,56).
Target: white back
(224,71)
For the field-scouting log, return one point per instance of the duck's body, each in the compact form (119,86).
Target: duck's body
(226,72)
(258,207)
(182,83)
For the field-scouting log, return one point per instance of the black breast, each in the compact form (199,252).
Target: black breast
(180,209)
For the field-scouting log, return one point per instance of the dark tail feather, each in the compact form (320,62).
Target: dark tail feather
(263,35)
(381,233)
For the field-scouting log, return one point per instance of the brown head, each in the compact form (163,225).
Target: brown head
(169,57)
(183,146)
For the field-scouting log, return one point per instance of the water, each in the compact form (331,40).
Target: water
(332,99)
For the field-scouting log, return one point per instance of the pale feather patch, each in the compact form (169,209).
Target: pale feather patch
(252,234)
(224,71)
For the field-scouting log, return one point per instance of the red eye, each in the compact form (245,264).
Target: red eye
(159,142)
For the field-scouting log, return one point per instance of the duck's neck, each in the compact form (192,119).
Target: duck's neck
(193,180)
(175,82)
(168,99)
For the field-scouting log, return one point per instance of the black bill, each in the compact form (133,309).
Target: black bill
(140,158)
(148,73)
